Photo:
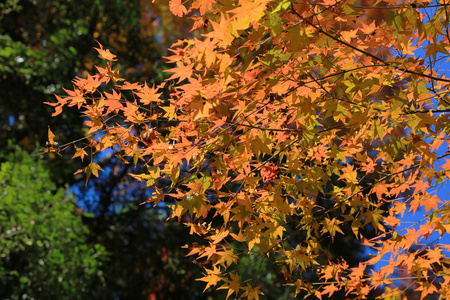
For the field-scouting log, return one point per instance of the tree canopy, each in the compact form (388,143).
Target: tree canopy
(45,251)
(285,124)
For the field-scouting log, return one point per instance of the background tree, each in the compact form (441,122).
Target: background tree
(45,251)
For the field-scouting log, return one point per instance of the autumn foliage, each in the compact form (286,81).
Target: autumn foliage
(276,104)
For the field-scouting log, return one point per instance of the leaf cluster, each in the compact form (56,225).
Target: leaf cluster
(288,124)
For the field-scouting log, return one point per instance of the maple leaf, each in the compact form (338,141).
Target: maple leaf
(203,5)
(181,72)
(420,186)
(328,273)
(248,12)
(105,54)
(112,102)
(219,236)
(368,29)
(76,97)
(108,73)
(434,255)
(269,172)
(368,167)
(170,111)
(381,189)
(209,251)
(426,288)
(358,271)
(431,202)
(329,289)
(232,285)
(58,105)
(212,278)
(155,199)
(252,292)
(199,22)
(446,166)
(130,86)
(148,94)
(51,145)
(177,8)
(239,237)
(92,168)
(221,31)
(88,85)
(79,152)
(391,221)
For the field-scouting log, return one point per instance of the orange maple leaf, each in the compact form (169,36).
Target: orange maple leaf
(130,86)
(368,29)
(220,236)
(329,289)
(209,251)
(105,54)
(76,97)
(182,71)
(148,94)
(221,31)
(204,5)
(58,105)
(431,202)
(52,146)
(90,84)
(212,278)
(177,8)
(112,102)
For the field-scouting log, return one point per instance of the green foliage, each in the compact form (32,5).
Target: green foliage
(9,6)
(44,254)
